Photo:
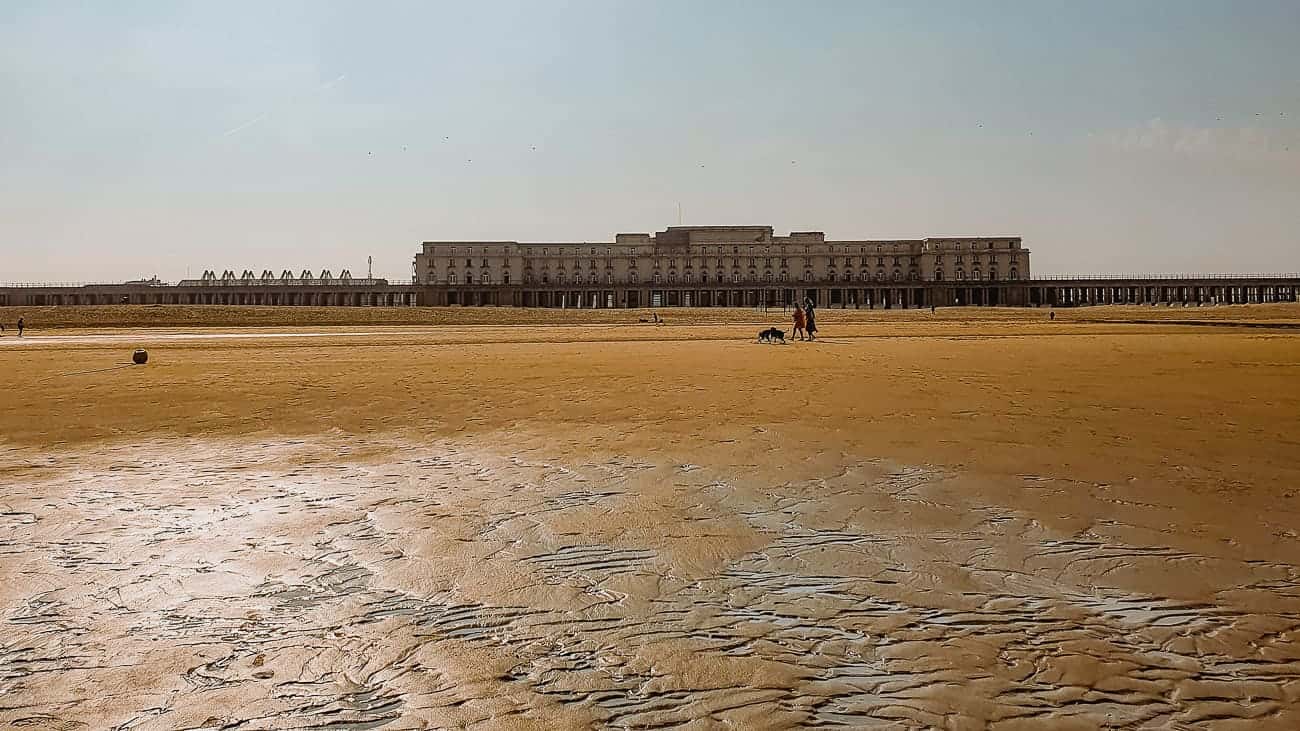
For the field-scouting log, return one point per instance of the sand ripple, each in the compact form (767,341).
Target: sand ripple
(345,585)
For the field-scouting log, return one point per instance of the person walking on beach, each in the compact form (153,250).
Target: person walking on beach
(798,321)
(810,317)
(20,327)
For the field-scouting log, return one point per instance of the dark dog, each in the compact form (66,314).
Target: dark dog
(771,335)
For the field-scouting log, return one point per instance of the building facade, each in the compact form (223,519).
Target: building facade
(689,266)
(723,266)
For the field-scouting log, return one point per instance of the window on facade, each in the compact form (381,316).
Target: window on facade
(975,274)
(807,275)
(469,278)
(545,252)
(993,274)
(1014,274)
(938,275)
(631,277)
(880,275)
(961,273)
(559,278)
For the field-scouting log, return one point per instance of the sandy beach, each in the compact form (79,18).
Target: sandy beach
(464,518)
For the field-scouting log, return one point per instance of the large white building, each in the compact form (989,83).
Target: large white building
(717,265)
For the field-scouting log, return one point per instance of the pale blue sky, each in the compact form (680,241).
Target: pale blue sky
(155,137)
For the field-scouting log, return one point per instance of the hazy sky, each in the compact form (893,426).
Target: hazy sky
(165,137)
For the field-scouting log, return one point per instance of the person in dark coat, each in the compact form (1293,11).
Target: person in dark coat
(810,319)
(21,325)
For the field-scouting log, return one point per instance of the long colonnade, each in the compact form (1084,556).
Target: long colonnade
(1060,292)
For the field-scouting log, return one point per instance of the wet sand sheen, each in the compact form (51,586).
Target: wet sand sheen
(654,534)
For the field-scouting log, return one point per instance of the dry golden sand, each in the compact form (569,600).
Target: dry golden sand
(973,520)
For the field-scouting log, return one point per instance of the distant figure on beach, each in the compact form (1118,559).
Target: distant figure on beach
(810,317)
(2,329)
(20,327)
(798,321)
(931,309)
(1051,315)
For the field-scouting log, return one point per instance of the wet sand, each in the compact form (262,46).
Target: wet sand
(957,523)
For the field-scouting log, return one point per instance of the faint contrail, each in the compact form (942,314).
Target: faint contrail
(249,123)
(327,85)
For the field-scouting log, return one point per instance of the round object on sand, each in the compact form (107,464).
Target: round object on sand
(140,357)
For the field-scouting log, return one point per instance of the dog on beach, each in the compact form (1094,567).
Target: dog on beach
(772,335)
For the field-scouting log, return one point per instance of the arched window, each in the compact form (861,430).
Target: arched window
(505,278)
(672,277)
(469,278)
(1014,274)
(631,277)
(898,276)
(993,273)
(546,279)
(807,275)
(656,277)
(975,273)
(609,278)
(880,275)
(961,273)
(848,276)
(484,279)
(938,275)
